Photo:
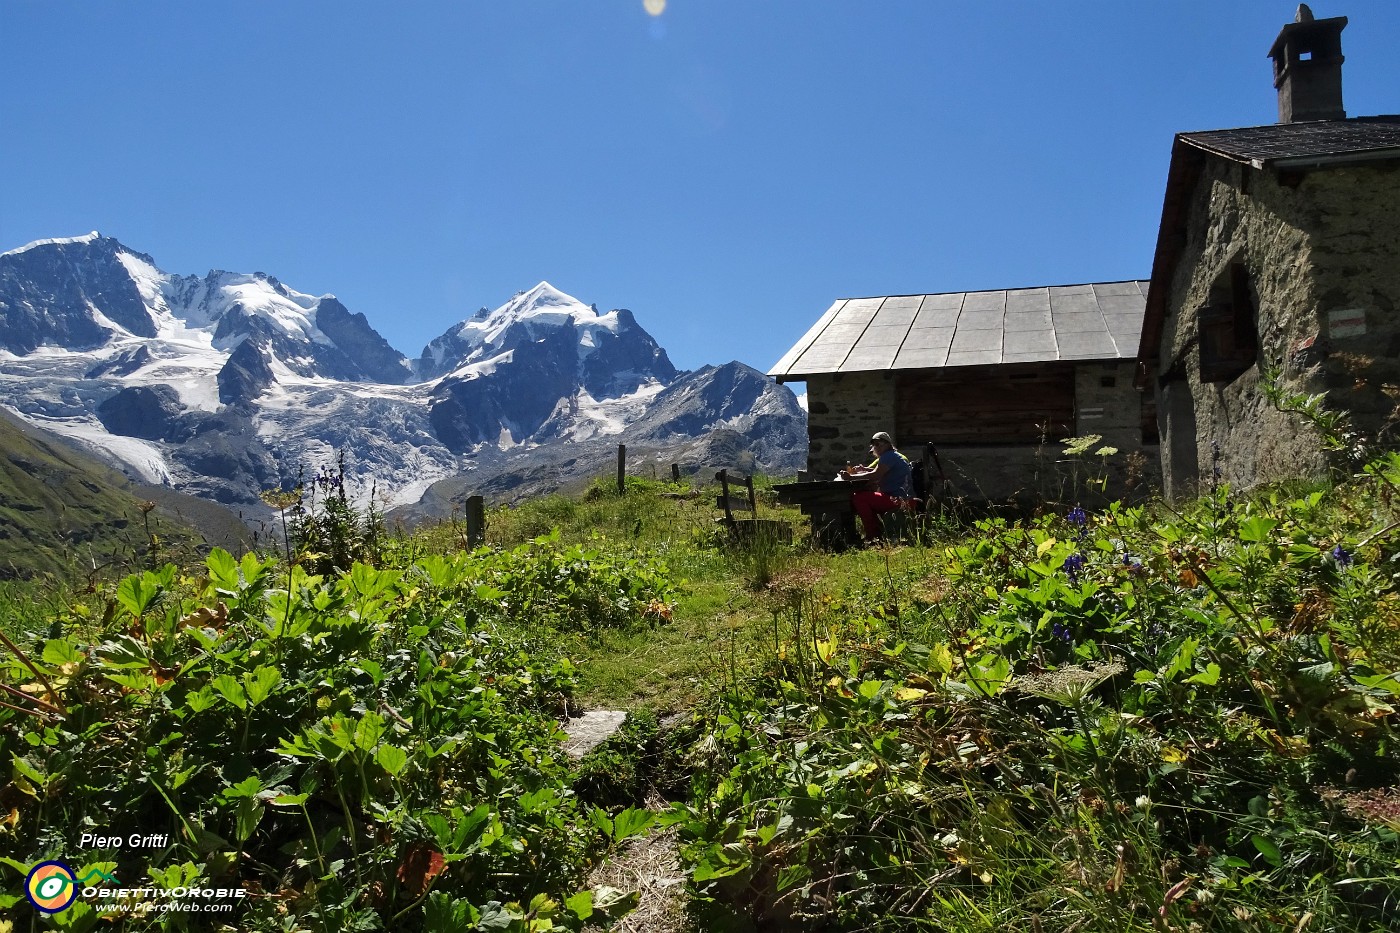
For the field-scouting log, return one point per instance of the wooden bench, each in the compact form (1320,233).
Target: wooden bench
(732,504)
(750,528)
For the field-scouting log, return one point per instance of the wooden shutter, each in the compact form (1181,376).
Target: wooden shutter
(1007,404)
(1229,342)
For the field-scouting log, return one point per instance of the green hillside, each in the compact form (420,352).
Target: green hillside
(64,512)
(1118,719)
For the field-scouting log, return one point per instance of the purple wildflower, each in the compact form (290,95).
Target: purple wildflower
(1073,564)
(1062,632)
(1342,556)
(1077,517)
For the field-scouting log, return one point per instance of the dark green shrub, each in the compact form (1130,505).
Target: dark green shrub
(361,744)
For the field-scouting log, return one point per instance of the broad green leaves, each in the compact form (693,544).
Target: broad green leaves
(626,824)
(1257,529)
(139,592)
(223,571)
(259,683)
(368,731)
(312,722)
(231,690)
(60,651)
(391,758)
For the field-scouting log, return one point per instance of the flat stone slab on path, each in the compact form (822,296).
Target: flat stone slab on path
(590,730)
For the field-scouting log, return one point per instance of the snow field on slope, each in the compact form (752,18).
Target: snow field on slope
(610,415)
(142,458)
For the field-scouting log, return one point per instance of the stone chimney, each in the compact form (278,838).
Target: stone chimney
(1308,68)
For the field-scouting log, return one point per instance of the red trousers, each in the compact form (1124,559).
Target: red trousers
(868,504)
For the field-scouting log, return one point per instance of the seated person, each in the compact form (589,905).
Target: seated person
(890,475)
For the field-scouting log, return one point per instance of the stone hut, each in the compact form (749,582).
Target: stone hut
(989,380)
(1279,248)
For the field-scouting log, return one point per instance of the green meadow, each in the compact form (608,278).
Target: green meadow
(1136,717)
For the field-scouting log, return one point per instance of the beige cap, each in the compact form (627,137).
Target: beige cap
(882,437)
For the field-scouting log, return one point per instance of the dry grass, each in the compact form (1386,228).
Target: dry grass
(648,865)
(796,580)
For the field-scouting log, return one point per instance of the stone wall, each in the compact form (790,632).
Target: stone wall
(1107,403)
(1115,411)
(1322,251)
(1000,474)
(843,410)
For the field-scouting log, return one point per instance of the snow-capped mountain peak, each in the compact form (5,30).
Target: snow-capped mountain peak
(528,316)
(95,296)
(285,313)
(544,305)
(551,359)
(54,241)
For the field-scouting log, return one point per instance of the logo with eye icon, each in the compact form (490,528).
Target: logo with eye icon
(51,887)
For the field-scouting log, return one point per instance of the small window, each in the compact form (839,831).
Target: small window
(1107,382)
(1149,419)
(1305,56)
(1229,340)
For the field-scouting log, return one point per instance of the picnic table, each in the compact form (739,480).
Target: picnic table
(828,503)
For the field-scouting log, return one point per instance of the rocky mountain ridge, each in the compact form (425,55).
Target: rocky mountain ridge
(229,383)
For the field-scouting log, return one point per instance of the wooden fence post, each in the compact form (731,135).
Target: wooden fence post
(476,521)
(675,472)
(621,469)
(723,477)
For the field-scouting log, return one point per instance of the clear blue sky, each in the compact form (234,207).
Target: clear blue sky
(725,169)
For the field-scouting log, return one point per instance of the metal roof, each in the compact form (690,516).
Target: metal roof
(1314,141)
(1099,321)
